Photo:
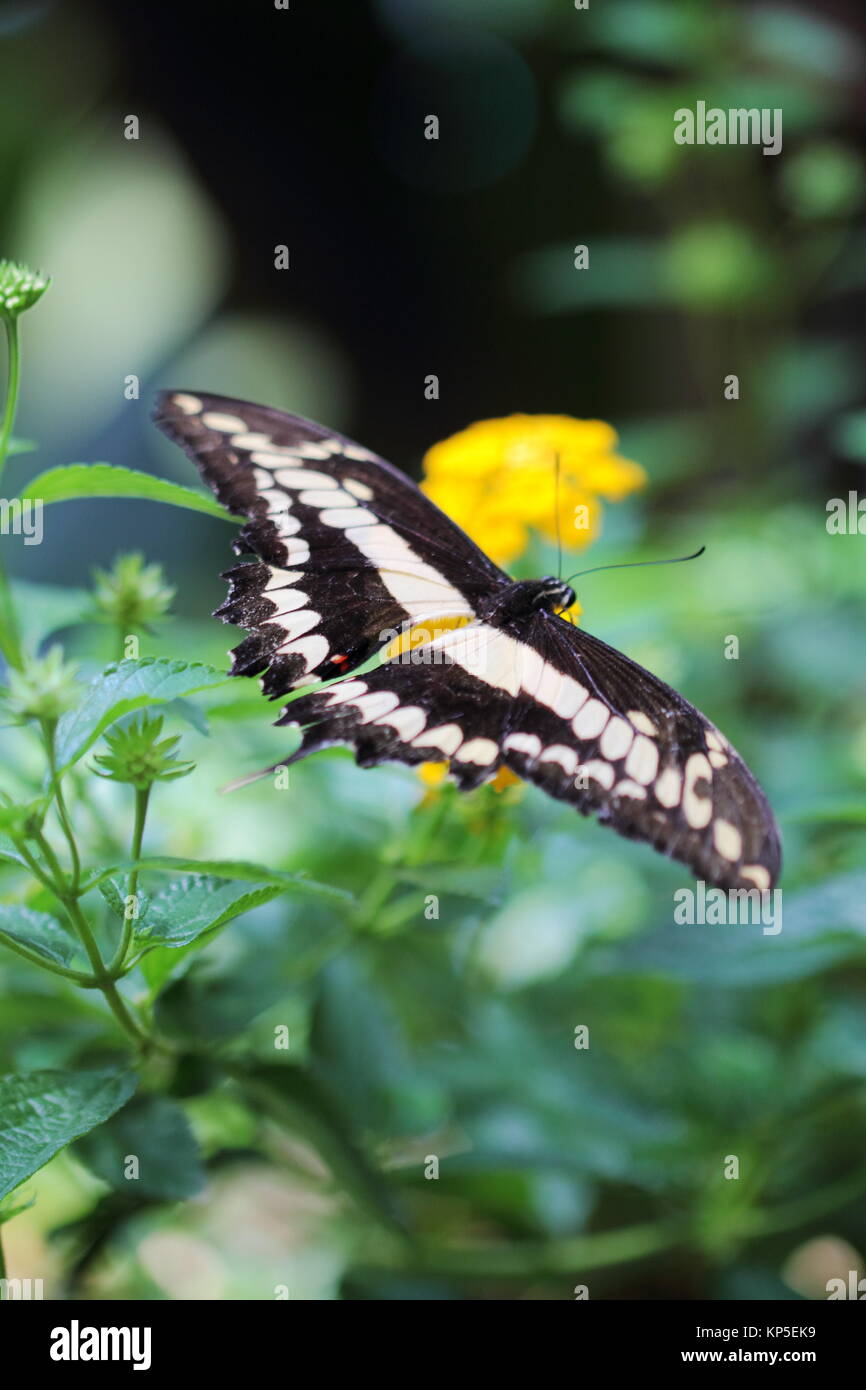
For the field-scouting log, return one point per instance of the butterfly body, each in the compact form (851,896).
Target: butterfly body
(349,553)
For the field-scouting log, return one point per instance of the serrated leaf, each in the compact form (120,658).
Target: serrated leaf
(226,868)
(185,909)
(114,893)
(129,685)
(155,1131)
(39,931)
(43,1111)
(77,480)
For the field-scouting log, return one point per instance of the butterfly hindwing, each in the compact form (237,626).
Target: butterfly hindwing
(567,712)
(348,550)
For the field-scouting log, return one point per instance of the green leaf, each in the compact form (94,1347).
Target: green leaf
(43,1111)
(122,688)
(39,931)
(188,907)
(226,868)
(295,1098)
(155,1131)
(76,480)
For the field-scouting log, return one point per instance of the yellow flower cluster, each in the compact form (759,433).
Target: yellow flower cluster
(498,479)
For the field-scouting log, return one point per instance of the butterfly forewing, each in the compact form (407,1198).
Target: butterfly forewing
(348,552)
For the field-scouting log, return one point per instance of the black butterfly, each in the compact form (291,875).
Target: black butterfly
(349,552)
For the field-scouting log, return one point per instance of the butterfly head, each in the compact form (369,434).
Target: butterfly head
(553,594)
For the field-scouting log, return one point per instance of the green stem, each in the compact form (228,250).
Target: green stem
(38,872)
(47,726)
(10,640)
(142,797)
(12,384)
(103,979)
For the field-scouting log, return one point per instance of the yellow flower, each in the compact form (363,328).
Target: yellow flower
(498,478)
(434,774)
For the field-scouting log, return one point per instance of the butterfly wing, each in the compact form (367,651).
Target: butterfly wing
(348,550)
(565,711)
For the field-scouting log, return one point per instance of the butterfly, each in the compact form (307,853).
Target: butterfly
(347,553)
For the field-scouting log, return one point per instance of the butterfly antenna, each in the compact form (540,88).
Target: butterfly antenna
(558,519)
(634,564)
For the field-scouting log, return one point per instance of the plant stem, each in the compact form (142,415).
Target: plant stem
(10,641)
(12,384)
(48,726)
(103,979)
(142,797)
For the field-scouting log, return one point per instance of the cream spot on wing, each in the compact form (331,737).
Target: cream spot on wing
(276,456)
(530,744)
(297,551)
(347,518)
(320,497)
(378,702)
(616,739)
(279,578)
(713,740)
(642,722)
(288,601)
(313,649)
(190,405)
(642,762)
(296,624)
(246,440)
(727,840)
(600,772)
(589,722)
(757,874)
(718,759)
(478,750)
(631,789)
(447,738)
(413,583)
(226,424)
(286,524)
(408,721)
(354,451)
(358,489)
(698,809)
(562,754)
(308,450)
(306,477)
(347,692)
(669,787)
(569,697)
(485,652)
(264,479)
